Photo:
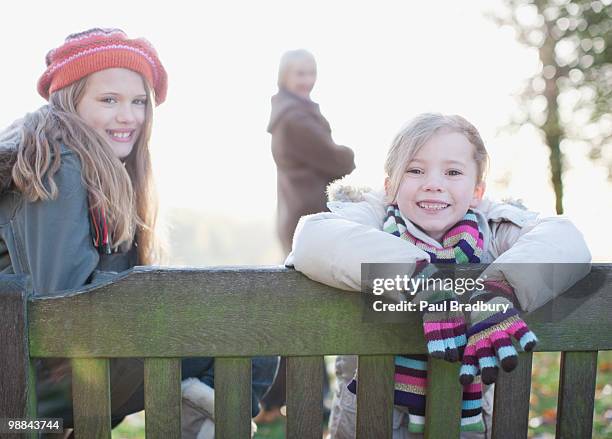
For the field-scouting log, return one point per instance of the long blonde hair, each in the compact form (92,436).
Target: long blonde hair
(416,133)
(124,191)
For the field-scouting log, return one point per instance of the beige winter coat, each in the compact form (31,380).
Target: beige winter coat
(329,247)
(517,240)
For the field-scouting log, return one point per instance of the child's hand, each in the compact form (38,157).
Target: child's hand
(489,343)
(444,330)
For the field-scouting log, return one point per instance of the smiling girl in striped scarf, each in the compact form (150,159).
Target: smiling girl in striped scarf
(433,211)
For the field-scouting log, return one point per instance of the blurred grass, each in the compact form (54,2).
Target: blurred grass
(543,401)
(274,430)
(544,388)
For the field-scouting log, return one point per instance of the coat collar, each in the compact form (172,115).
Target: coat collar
(342,196)
(284,101)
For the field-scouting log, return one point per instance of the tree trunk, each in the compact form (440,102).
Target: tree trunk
(553,132)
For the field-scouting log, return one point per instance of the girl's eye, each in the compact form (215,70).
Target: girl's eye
(454,172)
(414,171)
(109,100)
(140,101)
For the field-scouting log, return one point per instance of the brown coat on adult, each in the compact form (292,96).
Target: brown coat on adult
(307,160)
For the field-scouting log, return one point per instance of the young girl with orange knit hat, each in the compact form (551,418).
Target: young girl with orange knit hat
(77,197)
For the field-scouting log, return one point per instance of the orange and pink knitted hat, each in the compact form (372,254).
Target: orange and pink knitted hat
(98,49)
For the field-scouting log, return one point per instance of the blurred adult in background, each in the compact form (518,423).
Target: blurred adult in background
(78,205)
(307,159)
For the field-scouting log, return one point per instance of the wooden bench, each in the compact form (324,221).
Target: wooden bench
(235,313)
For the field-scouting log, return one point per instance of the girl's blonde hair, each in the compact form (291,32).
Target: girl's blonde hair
(416,133)
(125,191)
(288,60)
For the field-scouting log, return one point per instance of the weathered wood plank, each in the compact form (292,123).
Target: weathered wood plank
(245,311)
(443,412)
(15,380)
(91,398)
(31,397)
(305,397)
(512,390)
(162,386)
(576,394)
(375,397)
(232,398)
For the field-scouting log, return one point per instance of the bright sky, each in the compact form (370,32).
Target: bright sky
(378,64)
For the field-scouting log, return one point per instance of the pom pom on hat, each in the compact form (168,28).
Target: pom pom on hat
(98,49)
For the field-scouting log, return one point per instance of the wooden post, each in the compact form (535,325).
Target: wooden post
(305,397)
(91,401)
(162,378)
(576,394)
(232,398)
(375,397)
(17,398)
(443,411)
(512,391)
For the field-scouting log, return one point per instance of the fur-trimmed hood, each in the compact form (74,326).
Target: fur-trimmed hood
(344,191)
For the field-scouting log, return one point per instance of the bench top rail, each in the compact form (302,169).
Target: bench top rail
(249,311)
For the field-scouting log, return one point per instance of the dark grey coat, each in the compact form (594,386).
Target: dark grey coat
(51,242)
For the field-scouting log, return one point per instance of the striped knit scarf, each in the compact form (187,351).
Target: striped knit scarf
(463,243)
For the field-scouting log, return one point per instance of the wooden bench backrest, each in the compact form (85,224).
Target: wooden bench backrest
(236,313)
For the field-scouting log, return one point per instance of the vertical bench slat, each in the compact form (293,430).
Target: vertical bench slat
(91,398)
(31,396)
(305,397)
(375,396)
(576,394)
(15,379)
(443,412)
(162,387)
(511,407)
(232,398)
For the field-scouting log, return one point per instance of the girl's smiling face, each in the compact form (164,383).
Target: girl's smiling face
(113,104)
(440,184)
